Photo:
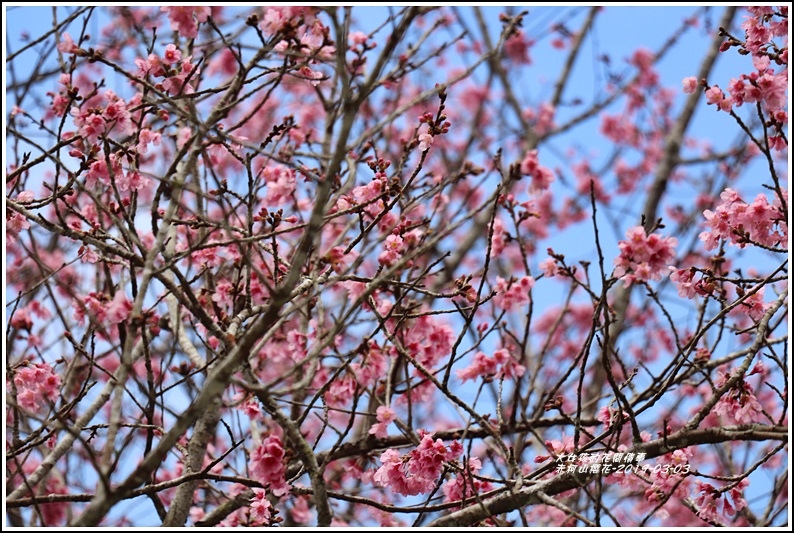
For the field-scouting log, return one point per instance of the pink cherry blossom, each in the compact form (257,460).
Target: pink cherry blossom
(739,404)
(418,471)
(620,129)
(514,293)
(549,267)
(393,248)
(644,257)
(281,184)
(182,81)
(147,137)
(119,308)
(172,54)
(53,514)
(185,19)
(517,48)
(300,512)
(464,486)
(425,140)
(686,284)
(102,308)
(312,77)
(36,384)
(98,171)
(340,260)
(367,193)
(541,176)
(131,181)
(67,45)
(740,223)
(313,36)
(91,125)
(89,256)
(16,223)
(331,228)
(498,240)
(267,465)
(752,305)
(558,448)
(385,416)
(609,416)
(373,366)
(21,319)
(644,59)
(543,119)
(151,66)
(502,364)
(690,84)
(714,505)
(116,114)
(482,365)
(276,18)
(224,63)
(341,391)
(260,508)
(25,197)
(714,95)
(357,37)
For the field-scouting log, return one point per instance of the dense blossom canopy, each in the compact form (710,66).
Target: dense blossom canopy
(342,266)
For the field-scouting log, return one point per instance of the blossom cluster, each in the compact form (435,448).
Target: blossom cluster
(741,223)
(52,513)
(35,384)
(686,283)
(763,86)
(383,305)
(385,416)
(513,294)
(102,308)
(541,176)
(502,364)
(643,257)
(95,121)
(267,465)
(713,503)
(185,19)
(464,486)
(177,72)
(418,471)
(312,33)
(739,404)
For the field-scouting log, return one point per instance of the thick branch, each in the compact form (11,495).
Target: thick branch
(504,503)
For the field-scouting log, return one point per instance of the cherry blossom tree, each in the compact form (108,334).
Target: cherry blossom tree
(326,266)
